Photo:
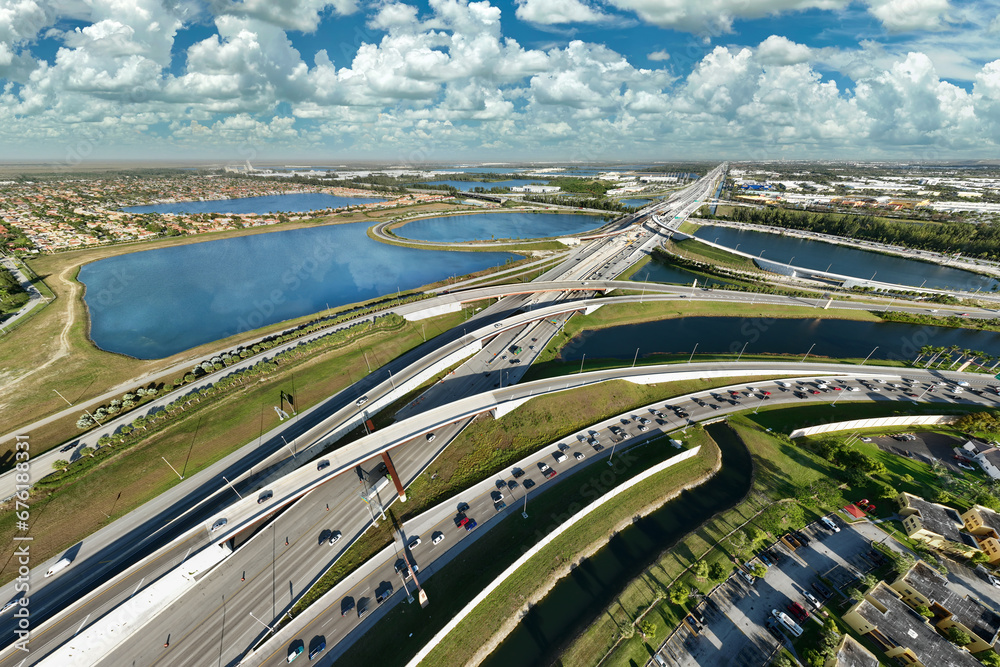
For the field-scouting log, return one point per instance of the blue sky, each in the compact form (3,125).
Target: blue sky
(446,80)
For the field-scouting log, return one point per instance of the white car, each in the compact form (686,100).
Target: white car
(852,389)
(415,542)
(963,383)
(438,537)
(880,380)
(361,401)
(957,390)
(334,538)
(965,466)
(219,524)
(993,580)
(578,456)
(430,437)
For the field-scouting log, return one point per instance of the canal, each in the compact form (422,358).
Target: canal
(582,596)
(847,261)
(848,339)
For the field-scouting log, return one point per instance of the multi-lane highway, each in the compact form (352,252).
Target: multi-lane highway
(207,624)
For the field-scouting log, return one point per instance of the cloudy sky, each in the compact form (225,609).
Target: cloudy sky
(443,80)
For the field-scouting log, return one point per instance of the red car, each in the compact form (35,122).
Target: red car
(837,388)
(766,393)
(798,611)
(814,391)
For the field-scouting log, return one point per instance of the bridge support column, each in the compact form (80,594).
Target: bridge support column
(395,478)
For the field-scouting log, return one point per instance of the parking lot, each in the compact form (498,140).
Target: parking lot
(926,447)
(735,614)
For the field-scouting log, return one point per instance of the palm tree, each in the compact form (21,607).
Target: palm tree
(966,353)
(924,351)
(938,351)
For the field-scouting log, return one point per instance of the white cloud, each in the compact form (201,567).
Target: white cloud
(657,56)
(715,16)
(302,15)
(778,50)
(550,12)
(906,15)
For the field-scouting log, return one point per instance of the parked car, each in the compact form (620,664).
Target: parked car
(798,611)
(830,523)
(812,599)
(824,592)
(745,576)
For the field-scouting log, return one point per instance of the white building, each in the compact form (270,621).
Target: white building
(536,189)
(986,455)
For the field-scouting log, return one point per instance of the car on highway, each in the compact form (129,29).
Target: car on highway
(322,464)
(468,524)
(400,568)
(10,604)
(362,608)
(516,473)
(559,457)
(578,456)
(643,420)
(295,652)
(430,437)
(346,605)
(361,401)
(546,470)
(68,447)
(497,496)
(334,537)
(265,496)
(384,594)
(463,507)
(219,524)
(414,542)
(499,506)
(319,648)
(528,483)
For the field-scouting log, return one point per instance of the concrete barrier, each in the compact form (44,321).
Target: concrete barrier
(878,422)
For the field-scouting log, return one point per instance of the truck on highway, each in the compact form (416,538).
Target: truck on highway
(515,349)
(59,566)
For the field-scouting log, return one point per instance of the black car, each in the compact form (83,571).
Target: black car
(824,592)
(401,568)
(346,605)
(517,472)
(772,627)
(527,484)
(317,649)
(801,538)
(264,497)
(765,559)
(463,507)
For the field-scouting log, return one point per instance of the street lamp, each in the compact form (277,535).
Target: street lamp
(761,253)
(692,352)
(581,362)
(869,355)
(635,358)
(807,353)
(391,383)
(741,351)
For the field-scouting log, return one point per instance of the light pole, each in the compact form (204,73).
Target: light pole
(227,482)
(737,247)
(635,358)
(524,512)
(612,455)
(741,351)
(869,355)
(269,628)
(759,403)
(692,352)
(791,261)
(839,394)
(366,361)
(177,473)
(761,253)
(581,363)
(807,353)
(289,446)
(64,398)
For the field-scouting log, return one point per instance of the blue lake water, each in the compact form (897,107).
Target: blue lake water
(293,203)
(486,226)
(466,186)
(155,303)
(847,261)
